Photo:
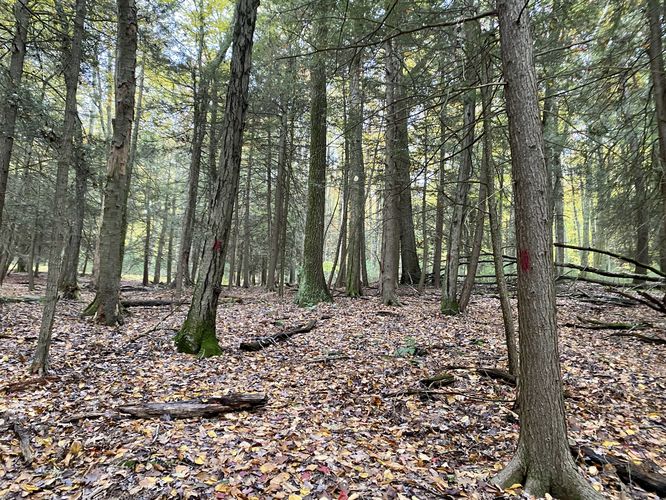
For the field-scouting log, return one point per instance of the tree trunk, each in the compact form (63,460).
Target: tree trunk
(157,275)
(655,51)
(279,217)
(197,335)
(356,180)
(10,104)
(71,53)
(450,304)
(642,219)
(391,212)
(312,287)
(69,275)
(542,462)
(439,217)
(106,305)
(246,223)
(169,260)
(147,242)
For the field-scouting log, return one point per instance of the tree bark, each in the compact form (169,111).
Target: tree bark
(655,51)
(450,304)
(279,215)
(72,63)
(10,104)
(391,211)
(147,242)
(106,305)
(542,461)
(157,274)
(246,222)
(197,335)
(439,217)
(312,287)
(356,179)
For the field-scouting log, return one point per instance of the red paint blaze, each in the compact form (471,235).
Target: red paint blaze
(524,260)
(217,246)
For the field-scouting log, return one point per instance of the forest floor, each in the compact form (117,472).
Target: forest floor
(331,428)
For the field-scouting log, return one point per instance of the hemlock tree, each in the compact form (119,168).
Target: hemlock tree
(197,335)
(312,288)
(71,62)
(9,106)
(106,304)
(543,462)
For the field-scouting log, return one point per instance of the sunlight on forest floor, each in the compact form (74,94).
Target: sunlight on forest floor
(330,429)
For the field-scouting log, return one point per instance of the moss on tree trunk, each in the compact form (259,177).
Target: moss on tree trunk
(198,338)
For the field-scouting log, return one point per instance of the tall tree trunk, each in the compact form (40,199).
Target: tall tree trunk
(71,52)
(169,260)
(424,215)
(312,288)
(279,215)
(147,242)
(543,462)
(246,222)
(391,212)
(106,305)
(439,217)
(10,104)
(157,275)
(450,304)
(655,51)
(69,275)
(269,202)
(233,245)
(356,180)
(197,335)
(642,219)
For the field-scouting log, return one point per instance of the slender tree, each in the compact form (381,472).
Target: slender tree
(543,461)
(197,335)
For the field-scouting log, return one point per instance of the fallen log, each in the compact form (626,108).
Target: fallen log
(203,407)
(615,255)
(647,301)
(258,343)
(436,392)
(498,374)
(610,274)
(438,380)
(19,300)
(593,324)
(628,472)
(151,302)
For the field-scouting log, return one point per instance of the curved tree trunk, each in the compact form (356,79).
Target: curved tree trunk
(543,462)
(72,63)
(197,335)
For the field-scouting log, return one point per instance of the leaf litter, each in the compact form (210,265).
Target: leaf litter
(343,419)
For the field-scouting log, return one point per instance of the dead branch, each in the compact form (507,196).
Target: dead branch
(21,385)
(498,374)
(438,380)
(428,392)
(628,472)
(615,255)
(611,274)
(259,343)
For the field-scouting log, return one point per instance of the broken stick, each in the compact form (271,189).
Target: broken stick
(259,343)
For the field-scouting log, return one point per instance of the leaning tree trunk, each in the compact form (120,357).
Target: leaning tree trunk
(9,106)
(197,335)
(106,305)
(356,180)
(391,212)
(655,51)
(312,288)
(72,63)
(543,461)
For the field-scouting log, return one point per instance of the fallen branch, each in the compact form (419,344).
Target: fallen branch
(151,302)
(204,407)
(610,274)
(428,392)
(652,303)
(327,359)
(21,385)
(593,324)
(19,300)
(641,337)
(627,471)
(261,342)
(438,380)
(615,255)
(498,374)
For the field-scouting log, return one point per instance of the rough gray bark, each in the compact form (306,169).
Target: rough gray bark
(71,64)
(356,179)
(10,102)
(246,222)
(312,287)
(439,216)
(279,214)
(655,51)
(157,274)
(391,210)
(542,461)
(106,305)
(169,259)
(197,335)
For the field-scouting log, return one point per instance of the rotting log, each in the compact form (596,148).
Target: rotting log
(21,385)
(19,300)
(203,407)
(259,343)
(628,472)
(438,380)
